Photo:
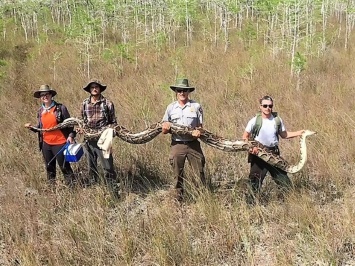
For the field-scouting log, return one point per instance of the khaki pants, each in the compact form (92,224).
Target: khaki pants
(193,153)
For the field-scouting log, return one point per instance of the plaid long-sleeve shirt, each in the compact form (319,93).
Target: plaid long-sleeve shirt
(99,114)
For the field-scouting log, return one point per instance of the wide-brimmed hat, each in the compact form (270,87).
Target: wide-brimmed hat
(44,88)
(98,82)
(182,84)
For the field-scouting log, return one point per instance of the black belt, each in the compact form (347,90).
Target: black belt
(173,142)
(271,148)
(274,149)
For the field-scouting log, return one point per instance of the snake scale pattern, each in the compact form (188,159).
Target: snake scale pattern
(206,136)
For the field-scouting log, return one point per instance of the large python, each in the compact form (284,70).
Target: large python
(206,136)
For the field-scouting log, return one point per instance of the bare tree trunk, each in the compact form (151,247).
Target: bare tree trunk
(188,24)
(24,26)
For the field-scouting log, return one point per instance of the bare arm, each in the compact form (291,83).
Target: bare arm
(30,127)
(246,136)
(289,135)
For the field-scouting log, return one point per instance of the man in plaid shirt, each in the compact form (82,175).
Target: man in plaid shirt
(98,112)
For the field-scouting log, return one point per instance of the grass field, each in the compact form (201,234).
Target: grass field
(231,67)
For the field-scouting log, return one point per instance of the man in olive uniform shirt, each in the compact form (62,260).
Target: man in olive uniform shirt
(188,113)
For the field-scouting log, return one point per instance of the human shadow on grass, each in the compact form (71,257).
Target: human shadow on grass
(239,190)
(136,178)
(140,178)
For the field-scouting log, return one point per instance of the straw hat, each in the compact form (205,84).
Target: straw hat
(44,88)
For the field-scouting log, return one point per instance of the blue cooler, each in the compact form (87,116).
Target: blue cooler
(73,152)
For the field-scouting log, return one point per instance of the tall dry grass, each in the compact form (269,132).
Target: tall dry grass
(311,226)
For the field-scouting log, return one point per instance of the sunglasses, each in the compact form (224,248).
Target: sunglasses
(267,105)
(44,94)
(181,90)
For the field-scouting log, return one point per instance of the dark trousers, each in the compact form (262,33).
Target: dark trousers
(93,154)
(259,169)
(51,151)
(193,153)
